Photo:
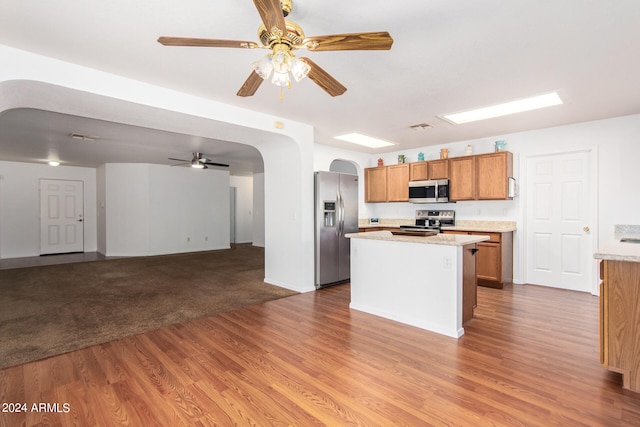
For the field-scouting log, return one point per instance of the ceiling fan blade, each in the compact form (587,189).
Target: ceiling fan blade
(189,41)
(271,13)
(324,79)
(380,40)
(250,85)
(216,164)
(179,160)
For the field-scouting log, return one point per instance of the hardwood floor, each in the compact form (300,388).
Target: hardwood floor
(529,357)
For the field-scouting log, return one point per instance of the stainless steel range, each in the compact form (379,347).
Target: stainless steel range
(432,220)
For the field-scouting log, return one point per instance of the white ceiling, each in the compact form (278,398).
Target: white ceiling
(447,56)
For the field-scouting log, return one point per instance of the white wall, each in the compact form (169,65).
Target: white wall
(244,207)
(258,210)
(155,209)
(20,205)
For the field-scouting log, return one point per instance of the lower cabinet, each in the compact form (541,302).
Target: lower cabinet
(619,320)
(494,258)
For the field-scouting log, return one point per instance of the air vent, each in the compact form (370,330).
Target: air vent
(82,137)
(421,126)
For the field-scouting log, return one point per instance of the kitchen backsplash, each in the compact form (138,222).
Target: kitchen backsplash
(627,231)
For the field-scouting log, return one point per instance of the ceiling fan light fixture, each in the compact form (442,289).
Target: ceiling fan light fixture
(263,67)
(299,69)
(197,165)
(281,58)
(281,79)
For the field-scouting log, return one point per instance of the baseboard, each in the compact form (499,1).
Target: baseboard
(289,286)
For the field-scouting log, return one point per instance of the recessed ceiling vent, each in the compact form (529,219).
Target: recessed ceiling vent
(421,126)
(82,137)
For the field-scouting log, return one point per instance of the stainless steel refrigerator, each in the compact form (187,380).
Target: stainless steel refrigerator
(336,214)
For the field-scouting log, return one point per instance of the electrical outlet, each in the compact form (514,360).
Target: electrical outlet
(447,263)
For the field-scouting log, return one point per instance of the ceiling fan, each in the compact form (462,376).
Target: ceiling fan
(282,37)
(199,161)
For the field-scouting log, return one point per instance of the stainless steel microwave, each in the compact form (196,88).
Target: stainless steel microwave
(432,191)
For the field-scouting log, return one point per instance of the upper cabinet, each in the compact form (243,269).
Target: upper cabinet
(481,177)
(387,183)
(432,169)
(476,177)
(462,178)
(375,184)
(493,172)
(398,183)
(438,169)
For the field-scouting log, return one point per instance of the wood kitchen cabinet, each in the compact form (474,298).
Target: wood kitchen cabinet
(494,258)
(398,183)
(619,316)
(462,178)
(492,175)
(481,177)
(438,169)
(418,171)
(432,169)
(375,184)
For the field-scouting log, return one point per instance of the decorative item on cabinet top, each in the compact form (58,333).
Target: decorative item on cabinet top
(421,156)
(444,153)
(402,159)
(501,146)
(380,162)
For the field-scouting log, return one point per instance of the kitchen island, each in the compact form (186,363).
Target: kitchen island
(620,305)
(428,282)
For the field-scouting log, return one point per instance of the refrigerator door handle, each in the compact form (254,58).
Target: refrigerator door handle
(340,215)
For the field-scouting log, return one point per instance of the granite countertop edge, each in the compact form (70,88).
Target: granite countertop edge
(438,239)
(615,250)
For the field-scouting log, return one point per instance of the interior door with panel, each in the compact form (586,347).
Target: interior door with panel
(61,216)
(558,243)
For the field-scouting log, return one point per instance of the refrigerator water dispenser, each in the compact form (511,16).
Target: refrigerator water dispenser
(329,214)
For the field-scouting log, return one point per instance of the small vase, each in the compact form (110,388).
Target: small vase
(444,153)
(469,150)
(380,162)
(501,146)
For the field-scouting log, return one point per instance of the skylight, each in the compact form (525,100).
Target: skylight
(367,141)
(512,107)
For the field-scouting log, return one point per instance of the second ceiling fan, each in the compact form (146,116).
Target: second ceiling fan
(282,37)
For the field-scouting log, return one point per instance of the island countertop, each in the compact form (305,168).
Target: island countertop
(438,239)
(615,250)
(483,226)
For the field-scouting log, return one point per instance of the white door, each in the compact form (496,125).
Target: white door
(558,204)
(61,216)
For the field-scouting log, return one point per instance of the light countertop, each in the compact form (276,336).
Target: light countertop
(438,239)
(461,225)
(483,226)
(616,250)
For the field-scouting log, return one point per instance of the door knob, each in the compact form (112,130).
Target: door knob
(586,228)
